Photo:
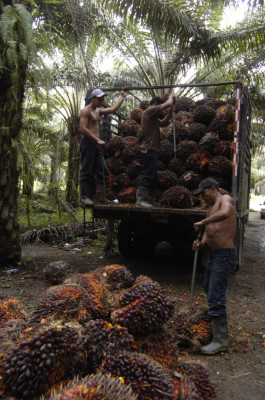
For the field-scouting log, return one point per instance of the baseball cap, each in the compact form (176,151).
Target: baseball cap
(206,183)
(97,93)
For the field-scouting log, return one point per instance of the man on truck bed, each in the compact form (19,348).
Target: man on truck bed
(150,148)
(92,160)
(220,230)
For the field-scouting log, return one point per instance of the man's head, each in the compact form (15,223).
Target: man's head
(206,183)
(156,100)
(98,94)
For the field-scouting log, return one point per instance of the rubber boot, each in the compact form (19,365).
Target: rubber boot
(141,194)
(150,197)
(101,195)
(220,333)
(84,193)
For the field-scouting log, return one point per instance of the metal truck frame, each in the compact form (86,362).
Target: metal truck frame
(141,229)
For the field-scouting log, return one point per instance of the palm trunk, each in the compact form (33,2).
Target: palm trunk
(73,163)
(12,82)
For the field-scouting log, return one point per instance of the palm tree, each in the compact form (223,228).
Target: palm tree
(15,45)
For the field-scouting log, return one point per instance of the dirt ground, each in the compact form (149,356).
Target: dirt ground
(237,374)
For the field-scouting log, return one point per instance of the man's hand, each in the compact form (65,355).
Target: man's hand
(199,224)
(124,92)
(197,245)
(101,143)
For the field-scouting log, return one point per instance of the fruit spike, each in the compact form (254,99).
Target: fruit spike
(95,387)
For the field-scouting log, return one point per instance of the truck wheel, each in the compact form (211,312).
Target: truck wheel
(125,239)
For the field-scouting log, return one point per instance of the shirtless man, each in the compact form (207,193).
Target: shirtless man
(219,233)
(92,160)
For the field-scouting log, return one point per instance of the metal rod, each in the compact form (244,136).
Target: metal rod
(174,135)
(239,83)
(198,234)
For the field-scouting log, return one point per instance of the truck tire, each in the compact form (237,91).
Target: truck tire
(125,239)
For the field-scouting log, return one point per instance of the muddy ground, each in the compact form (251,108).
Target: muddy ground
(237,374)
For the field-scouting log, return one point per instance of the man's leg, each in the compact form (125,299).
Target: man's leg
(86,172)
(147,178)
(218,269)
(102,174)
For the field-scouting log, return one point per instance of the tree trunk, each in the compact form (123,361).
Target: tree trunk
(12,82)
(73,162)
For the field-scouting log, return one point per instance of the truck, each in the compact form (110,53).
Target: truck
(140,229)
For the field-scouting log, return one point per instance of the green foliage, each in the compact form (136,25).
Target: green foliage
(43,211)
(16,36)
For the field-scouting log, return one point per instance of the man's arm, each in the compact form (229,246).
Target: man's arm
(165,120)
(168,103)
(226,210)
(112,109)
(83,123)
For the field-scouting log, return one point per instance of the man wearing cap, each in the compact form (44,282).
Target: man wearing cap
(92,160)
(219,233)
(150,148)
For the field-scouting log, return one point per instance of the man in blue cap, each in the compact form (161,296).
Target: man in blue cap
(92,160)
(219,234)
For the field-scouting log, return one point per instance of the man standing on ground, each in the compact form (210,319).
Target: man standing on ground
(92,160)
(219,233)
(150,148)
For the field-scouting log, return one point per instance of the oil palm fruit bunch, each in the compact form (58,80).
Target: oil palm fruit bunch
(199,375)
(131,150)
(127,195)
(224,148)
(133,169)
(183,104)
(115,165)
(144,375)
(144,104)
(190,180)
(196,131)
(185,148)
(117,276)
(56,272)
(184,388)
(44,356)
(161,346)
(118,182)
(101,338)
(94,387)
(136,115)
(197,161)
(211,102)
(11,309)
(65,301)
(220,166)
(143,307)
(13,319)
(166,151)
(188,327)
(98,298)
(203,114)
(129,128)
(177,166)
(177,196)
(181,131)
(115,146)
(166,179)
(209,140)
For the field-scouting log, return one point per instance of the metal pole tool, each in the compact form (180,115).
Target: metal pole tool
(174,134)
(194,267)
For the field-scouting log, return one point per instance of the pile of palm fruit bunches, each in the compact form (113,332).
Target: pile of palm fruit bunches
(101,335)
(203,148)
